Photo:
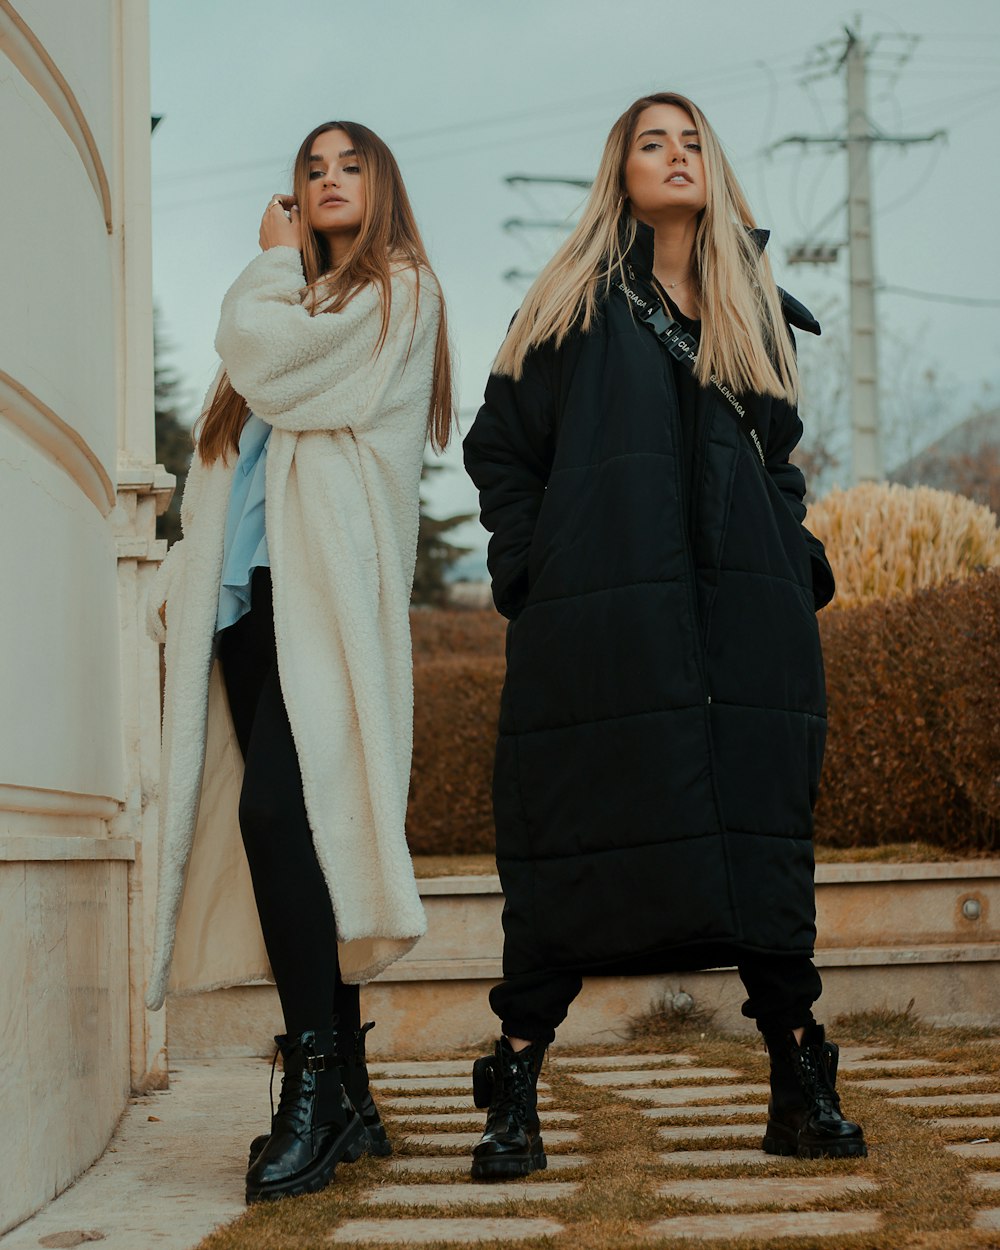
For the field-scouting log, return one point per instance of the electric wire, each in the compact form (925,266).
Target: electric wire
(969,300)
(594,102)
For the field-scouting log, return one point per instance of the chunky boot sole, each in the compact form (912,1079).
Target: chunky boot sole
(503,1167)
(781,1140)
(347,1147)
(379,1145)
(852,1149)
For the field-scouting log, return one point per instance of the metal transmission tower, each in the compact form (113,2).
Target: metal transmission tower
(851,56)
(523,226)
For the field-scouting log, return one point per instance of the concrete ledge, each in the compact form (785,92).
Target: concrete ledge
(888,933)
(35,847)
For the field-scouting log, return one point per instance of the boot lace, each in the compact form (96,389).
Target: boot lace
(815,1068)
(289,1100)
(512,1092)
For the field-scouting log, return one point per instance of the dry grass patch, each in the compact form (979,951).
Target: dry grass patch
(924,1198)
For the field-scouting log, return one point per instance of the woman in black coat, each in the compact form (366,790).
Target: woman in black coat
(663,715)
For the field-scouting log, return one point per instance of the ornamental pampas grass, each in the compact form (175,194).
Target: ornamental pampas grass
(886,541)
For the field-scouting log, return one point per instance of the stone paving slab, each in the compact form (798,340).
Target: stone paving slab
(887,1065)
(421,1231)
(985,1180)
(948,1100)
(683,1094)
(774,1189)
(463,1117)
(446,1141)
(984,1123)
(438,1102)
(427,1067)
(893,1084)
(988,1219)
(430,1083)
(696,1132)
(445,1195)
(966,1150)
(609,1062)
(848,1054)
(462,1163)
(646,1075)
(720,1159)
(762,1224)
(721,1112)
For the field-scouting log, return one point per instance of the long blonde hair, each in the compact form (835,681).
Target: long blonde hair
(744,342)
(387,240)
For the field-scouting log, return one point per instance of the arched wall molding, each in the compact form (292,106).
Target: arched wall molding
(56,440)
(28,54)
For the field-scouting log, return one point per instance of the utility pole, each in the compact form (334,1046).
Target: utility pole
(861,135)
(866,453)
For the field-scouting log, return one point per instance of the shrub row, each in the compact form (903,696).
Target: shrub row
(914,745)
(913,751)
(887,541)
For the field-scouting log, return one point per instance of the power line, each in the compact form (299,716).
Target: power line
(970,300)
(594,101)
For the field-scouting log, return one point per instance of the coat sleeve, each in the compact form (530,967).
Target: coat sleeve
(783,439)
(508,454)
(301,372)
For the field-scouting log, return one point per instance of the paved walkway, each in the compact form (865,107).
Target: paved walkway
(174,1170)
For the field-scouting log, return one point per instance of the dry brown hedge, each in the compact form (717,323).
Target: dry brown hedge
(455,707)
(913,751)
(914,745)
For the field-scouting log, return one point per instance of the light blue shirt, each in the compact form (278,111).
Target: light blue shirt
(246,541)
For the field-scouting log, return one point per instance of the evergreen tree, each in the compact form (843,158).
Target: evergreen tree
(435,553)
(173,437)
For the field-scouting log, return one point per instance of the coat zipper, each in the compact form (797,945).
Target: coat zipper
(687,510)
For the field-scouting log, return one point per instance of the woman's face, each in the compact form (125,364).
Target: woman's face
(336,187)
(664,171)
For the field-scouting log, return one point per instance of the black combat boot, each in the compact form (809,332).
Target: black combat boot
(314,1127)
(505,1082)
(804,1111)
(356,1085)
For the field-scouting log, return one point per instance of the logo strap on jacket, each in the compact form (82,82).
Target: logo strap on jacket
(683,347)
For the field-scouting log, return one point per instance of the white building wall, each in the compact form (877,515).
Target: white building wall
(78,493)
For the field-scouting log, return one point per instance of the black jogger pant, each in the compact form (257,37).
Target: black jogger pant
(781,990)
(293,902)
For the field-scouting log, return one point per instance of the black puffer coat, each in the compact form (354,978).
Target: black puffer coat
(663,715)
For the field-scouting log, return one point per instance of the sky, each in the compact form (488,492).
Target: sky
(468,93)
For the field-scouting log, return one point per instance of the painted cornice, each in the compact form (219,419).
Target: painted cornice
(20,44)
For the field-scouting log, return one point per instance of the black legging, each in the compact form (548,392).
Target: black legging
(293,902)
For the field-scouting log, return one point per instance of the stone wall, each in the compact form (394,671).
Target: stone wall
(887,933)
(78,495)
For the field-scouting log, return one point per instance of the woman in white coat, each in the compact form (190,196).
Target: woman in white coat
(288,703)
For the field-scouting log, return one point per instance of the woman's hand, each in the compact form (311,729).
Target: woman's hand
(276,230)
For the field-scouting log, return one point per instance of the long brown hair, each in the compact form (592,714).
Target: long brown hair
(387,240)
(743,339)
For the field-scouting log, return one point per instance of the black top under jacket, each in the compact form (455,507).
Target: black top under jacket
(663,715)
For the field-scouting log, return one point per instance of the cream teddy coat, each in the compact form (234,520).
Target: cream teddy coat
(341,513)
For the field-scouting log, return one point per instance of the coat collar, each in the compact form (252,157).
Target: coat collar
(641,251)
(640,256)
